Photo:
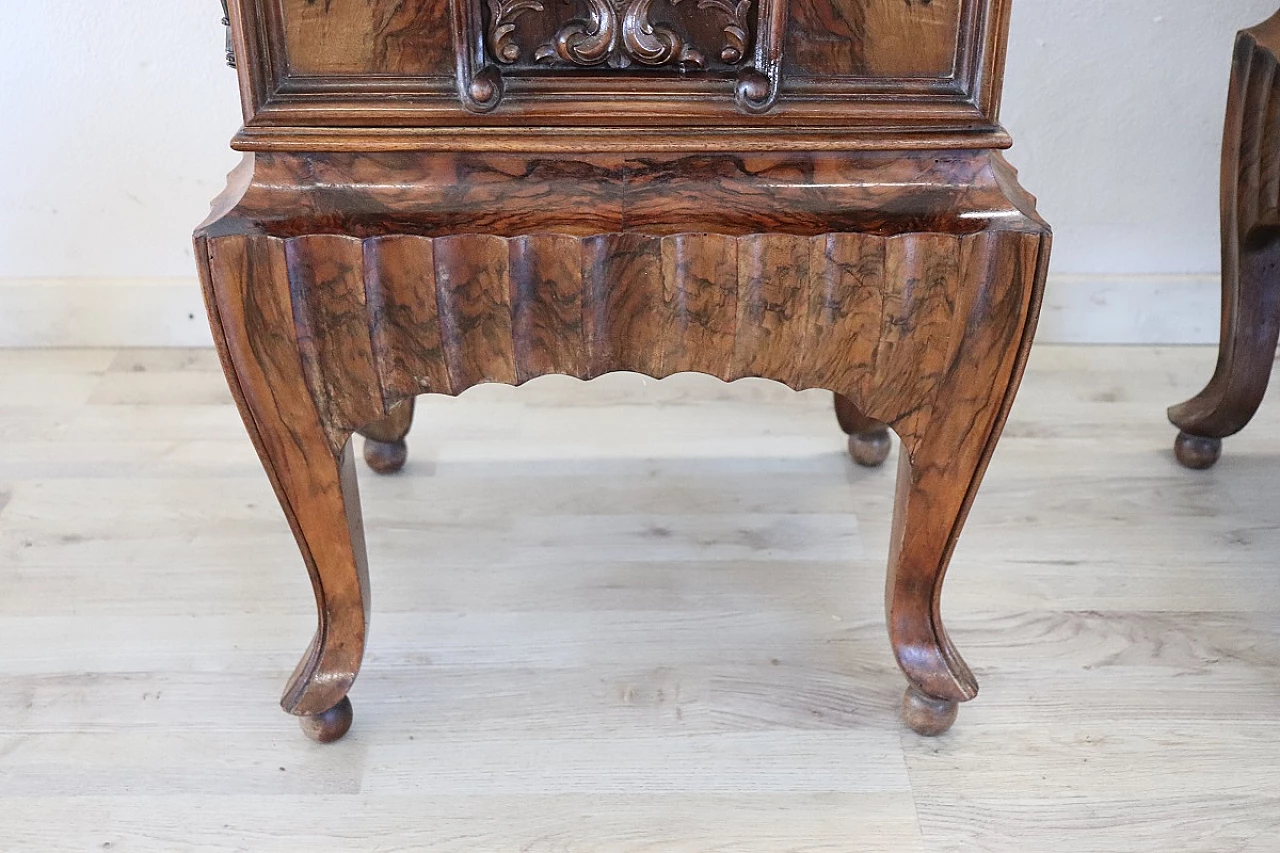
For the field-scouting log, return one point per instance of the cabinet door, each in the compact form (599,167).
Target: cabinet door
(853,66)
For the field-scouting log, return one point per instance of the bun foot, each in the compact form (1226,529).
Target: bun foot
(1196,452)
(385,457)
(928,716)
(870,449)
(330,725)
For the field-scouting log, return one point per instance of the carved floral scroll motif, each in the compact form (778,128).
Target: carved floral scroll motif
(502,26)
(618,34)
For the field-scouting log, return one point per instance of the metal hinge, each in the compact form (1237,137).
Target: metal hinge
(226,22)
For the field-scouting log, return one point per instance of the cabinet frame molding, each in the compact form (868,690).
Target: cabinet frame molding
(287,111)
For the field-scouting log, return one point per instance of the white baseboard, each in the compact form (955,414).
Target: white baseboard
(102,313)
(170,313)
(1135,309)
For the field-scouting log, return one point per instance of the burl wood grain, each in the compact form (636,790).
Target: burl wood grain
(857,38)
(909,285)
(1250,254)
(874,38)
(384,37)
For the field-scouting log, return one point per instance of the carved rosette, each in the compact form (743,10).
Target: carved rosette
(617,34)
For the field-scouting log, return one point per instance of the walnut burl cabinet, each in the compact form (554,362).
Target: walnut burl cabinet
(440,193)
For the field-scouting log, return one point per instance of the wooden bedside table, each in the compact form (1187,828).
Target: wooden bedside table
(441,194)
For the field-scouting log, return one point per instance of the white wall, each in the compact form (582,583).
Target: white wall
(117,117)
(1116,108)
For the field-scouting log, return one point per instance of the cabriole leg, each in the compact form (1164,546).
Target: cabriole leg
(311,466)
(947,442)
(1250,258)
(1251,324)
(926,522)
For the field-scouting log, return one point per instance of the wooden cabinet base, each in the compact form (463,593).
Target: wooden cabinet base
(1250,255)
(341,286)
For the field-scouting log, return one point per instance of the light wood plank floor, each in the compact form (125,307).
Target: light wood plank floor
(633,616)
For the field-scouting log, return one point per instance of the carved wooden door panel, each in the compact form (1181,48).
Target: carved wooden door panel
(702,41)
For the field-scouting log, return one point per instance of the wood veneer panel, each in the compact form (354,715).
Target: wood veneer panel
(345,37)
(917,38)
(619,319)
(546,305)
(873,38)
(401,293)
(845,303)
(473,293)
(849,38)
(327,289)
(700,300)
(773,270)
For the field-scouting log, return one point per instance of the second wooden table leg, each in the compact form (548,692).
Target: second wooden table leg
(1250,256)
(869,441)
(385,449)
